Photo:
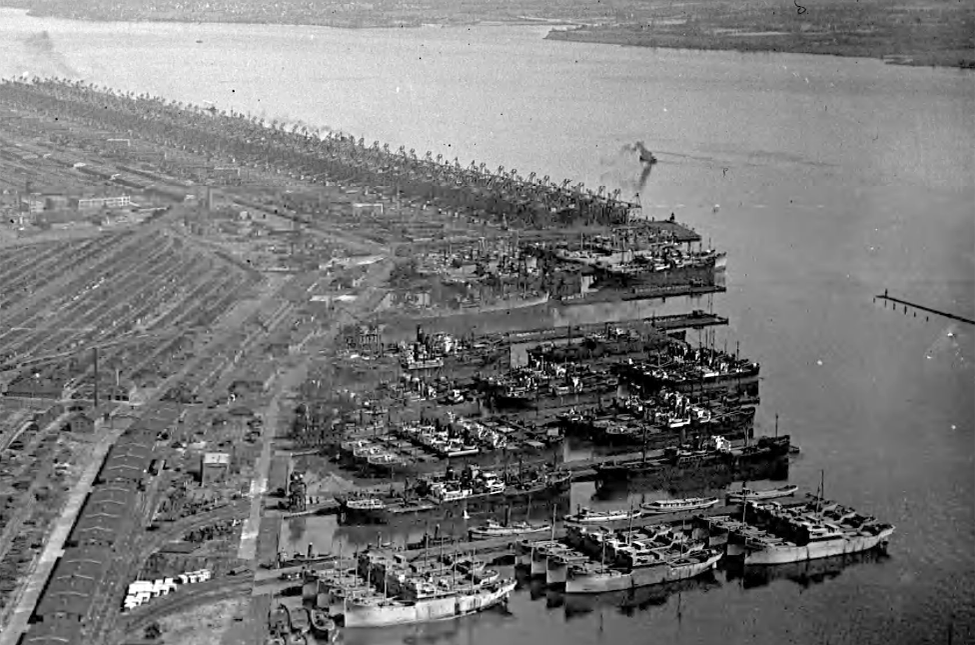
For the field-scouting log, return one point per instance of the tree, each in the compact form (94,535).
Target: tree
(153,631)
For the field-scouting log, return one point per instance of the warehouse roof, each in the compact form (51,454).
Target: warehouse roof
(74,582)
(52,632)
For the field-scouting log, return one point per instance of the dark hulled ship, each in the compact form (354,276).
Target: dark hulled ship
(714,458)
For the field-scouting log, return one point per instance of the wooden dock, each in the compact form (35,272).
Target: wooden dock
(907,304)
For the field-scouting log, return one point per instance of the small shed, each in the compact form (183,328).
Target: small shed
(79,422)
(214,467)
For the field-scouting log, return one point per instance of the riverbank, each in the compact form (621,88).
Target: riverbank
(888,47)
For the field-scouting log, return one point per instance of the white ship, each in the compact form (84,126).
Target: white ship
(818,529)
(492,529)
(596,578)
(678,505)
(588,516)
(385,612)
(749,495)
(823,542)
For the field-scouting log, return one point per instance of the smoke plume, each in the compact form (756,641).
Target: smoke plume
(630,169)
(42,53)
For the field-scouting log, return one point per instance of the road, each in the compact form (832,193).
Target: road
(289,381)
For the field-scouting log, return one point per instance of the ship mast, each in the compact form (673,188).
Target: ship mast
(554,507)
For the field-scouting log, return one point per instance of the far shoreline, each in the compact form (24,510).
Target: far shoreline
(561,30)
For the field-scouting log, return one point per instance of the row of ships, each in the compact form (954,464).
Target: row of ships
(381,588)
(474,490)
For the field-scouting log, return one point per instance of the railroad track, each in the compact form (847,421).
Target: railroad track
(203,593)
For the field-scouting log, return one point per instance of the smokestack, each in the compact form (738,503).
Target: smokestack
(309,551)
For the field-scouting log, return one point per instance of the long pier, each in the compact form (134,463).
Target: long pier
(693,320)
(914,305)
(610,295)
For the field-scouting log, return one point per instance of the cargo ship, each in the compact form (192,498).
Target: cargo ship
(614,341)
(384,589)
(648,569)
(716,456)
(732,375)
(817,529)
(429,603)
(658,422)
(474,491)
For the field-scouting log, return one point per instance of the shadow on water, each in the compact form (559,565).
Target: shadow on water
(804,574)
(630,601)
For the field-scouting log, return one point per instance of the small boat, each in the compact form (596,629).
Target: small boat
(492,529)
(679,505)
(588,516)
(749,495)
(323,627)
(486,577)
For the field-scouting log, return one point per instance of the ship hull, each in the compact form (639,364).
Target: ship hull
(817,550)
(425,611)
(476,534)
(640,577)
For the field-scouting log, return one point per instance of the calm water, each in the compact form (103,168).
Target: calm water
(836,179)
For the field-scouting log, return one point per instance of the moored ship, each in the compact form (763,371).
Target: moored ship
(715,456)
(819,529)
(589,516)
(661,506)
(492,529)
(475,491)
(595,578)
(429,604)
(749,495)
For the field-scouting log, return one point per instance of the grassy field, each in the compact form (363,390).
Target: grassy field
(918,32)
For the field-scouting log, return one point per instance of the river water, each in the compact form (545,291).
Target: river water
(827,180)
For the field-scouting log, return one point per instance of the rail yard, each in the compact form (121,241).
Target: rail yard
(217,331)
